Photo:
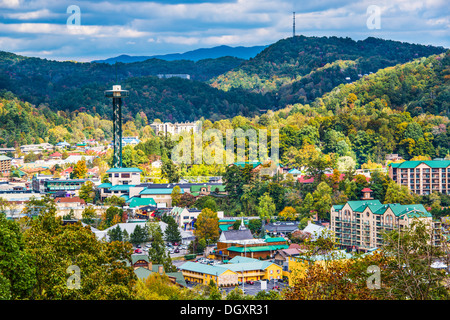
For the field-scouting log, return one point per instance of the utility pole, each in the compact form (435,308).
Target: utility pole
(117,94)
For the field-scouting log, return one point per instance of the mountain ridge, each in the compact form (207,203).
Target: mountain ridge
(240,52)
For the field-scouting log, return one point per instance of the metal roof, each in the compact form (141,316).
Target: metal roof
(112,170)
(413,164)
(159,191)
(202,268)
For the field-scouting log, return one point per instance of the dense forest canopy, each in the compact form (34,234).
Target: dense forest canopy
(300,69)
(292,70)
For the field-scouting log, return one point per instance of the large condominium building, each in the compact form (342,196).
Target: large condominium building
(5,165)
(175,128)
(361,224)
(422,177)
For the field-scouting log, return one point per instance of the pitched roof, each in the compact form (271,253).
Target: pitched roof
(413,164)
(69,200)
(240,259)
(376,207)
(112,170)
(159,191)
(258,249)
(236,234)
(139,202)
(106,185)
(136,257)
(242,164)
(247,266)
(202,268)
(121,187)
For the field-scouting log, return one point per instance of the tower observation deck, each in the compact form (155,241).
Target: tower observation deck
(117,94)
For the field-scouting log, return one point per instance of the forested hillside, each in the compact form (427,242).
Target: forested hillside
(70,86)
(300,69)
(392,111)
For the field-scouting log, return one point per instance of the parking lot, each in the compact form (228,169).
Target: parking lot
(251,289)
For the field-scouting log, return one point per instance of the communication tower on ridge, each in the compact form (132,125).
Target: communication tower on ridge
(293,24)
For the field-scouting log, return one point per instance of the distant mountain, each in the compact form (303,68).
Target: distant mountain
(194,55)
(71,87)
(300,69)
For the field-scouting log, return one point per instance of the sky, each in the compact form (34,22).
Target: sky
(89,30)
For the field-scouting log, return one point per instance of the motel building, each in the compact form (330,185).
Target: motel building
(239,269)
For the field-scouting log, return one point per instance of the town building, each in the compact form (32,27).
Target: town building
(175,128)
(130,141)
(143,268)
(124,176)
(360,224)
(422,177)
(281,227)
(238,269)
(5,165)
(252,248)
(36,148)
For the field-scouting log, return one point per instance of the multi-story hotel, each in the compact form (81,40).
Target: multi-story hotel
(175,128)
(5,165)
(422,177)
(361,224)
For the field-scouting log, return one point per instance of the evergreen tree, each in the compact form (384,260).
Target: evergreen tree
(172,234)
(158,253)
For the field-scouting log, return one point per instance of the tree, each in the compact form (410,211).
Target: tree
(112,216)
(410,271)
(172,234)
(307,206)
(115,234)
(89,214)
(87,192)
(17,269)
(139,235)
(157,252)
(288,214)
(176,195)
(79,170)
(396,193)
(114,201)
(55,247)
(322,200)
(266,207)
(211,204)
(207,225)
(186,200)
(236,178)
(170,171)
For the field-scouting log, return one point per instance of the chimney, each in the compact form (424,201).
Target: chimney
(150,265)
(160,269)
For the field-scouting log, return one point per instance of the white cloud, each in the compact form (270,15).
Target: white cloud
(9,3)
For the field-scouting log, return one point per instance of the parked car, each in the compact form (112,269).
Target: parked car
(176,250)
(250,282)
(137,250)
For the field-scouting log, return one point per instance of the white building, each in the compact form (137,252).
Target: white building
(175,128)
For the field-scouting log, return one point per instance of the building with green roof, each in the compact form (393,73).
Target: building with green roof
(237,270)
(360,224)
(422,177)
(137,202)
